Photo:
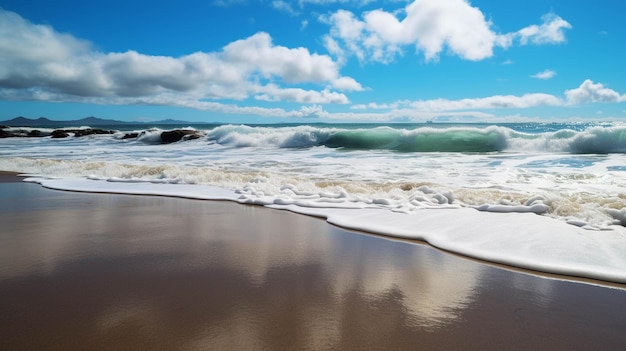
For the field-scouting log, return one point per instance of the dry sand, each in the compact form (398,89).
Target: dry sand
(115,272)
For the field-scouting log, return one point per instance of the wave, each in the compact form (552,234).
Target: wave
(599,140)
(381,138)
(593,140)
(604,139)
(423,140)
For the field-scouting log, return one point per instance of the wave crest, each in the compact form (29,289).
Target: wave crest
(382,138)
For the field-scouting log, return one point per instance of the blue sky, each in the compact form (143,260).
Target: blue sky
(270,61)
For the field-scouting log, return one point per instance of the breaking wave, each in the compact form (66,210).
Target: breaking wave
(595,140)
(382,138)
(441,138)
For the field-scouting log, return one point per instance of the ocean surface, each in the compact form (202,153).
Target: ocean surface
(548,197)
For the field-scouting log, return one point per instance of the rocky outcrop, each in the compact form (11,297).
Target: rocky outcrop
(59,133)
(172,136)
(89,131)
(167,137)
(21,133)
(130,135)
(6,132)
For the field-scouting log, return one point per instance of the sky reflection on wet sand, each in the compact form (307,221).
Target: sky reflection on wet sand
(103,271)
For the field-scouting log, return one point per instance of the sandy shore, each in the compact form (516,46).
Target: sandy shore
(105,272)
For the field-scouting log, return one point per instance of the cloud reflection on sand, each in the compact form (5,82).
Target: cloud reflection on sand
(275,261)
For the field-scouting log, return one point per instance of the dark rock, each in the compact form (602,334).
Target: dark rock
(12,133)
(173,136)
(59,133)
(89,131)
(64,133)
(130,135)
(22,133)
(5,134)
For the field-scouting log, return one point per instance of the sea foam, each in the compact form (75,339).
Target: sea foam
(521,240)
(509,174)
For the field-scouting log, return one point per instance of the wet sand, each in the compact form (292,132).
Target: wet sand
(110,272)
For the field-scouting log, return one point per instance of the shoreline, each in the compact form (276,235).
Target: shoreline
(103,271)
(15,176)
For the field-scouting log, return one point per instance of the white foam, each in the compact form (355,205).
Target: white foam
(583,193)
(523,240)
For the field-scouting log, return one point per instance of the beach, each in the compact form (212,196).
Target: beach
(106,271)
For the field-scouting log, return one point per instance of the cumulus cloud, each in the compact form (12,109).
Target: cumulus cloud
(428,25)
(547,74)
(549,32)
(40,62)
(380,106)
(346,83)
(473,108)
(431,26)
(589,91)
(39,42)
(272,92)
(304,111)
(468,104)
(491,102)
(257,53)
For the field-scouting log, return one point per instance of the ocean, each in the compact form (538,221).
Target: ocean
(549,197)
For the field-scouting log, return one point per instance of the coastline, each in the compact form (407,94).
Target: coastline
(102,271)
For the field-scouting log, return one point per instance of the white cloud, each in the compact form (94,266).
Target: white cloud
(431,26)
(347,83)
(491,102)
(380,106)
(345,29)
(408,115)
(549,32)
(284,6)
(302,112)
(422,110)
(272,92)
(547,74)
(257,53)
(40,62)
(589,91)
(34,43)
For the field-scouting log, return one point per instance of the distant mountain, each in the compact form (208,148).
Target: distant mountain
(44,122)
(94,121)
(25,122)
(88,121)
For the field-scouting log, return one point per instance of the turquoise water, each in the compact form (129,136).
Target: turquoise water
(575,138)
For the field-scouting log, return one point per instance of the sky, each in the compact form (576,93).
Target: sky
(267,61)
